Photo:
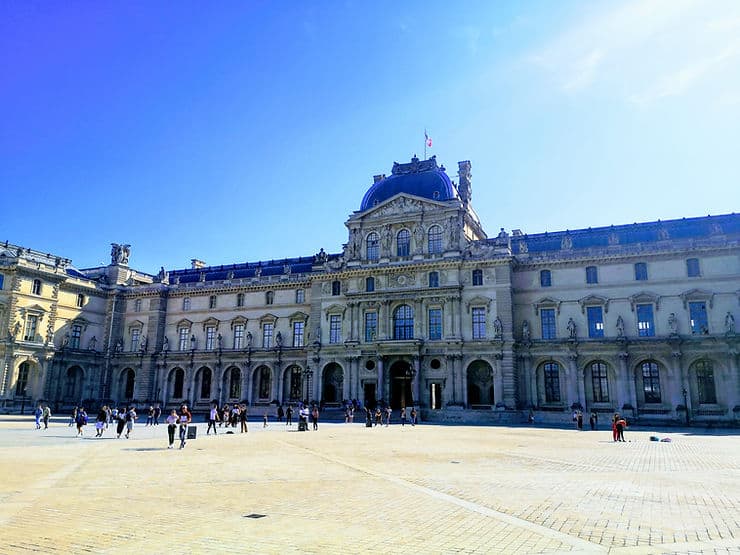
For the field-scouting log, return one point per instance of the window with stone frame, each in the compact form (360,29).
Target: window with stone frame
(371,326)
(595,316)
(641,272)
(433,279)
(373,246)
(435,324)
(269,297)
(137,305)
(698,318)
(212,301)
(551,374)
(240,299)
(267,331)
(335,328)
(2,279)
(403,243)
(36,287)
(135,336)
(645,322)
(477,277)
(32,322)
(434,238)
(547,323)
(545,278)
(80,300)
(336,288)
(369,284)
(75,336)
(592,275)
(183,338)
(692,267)
(21,384)
(238,336)
(210,338)
(651,382)
(298,333)
(599,382)
(403,322)
(186,303)
(300,296)
(706,388)
(479,322)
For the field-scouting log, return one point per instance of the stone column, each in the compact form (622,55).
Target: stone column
(498,380)
(346,373)
(576,380)
(464,384)
(681,381)
(416,380)
(247,383)
(453,378)
(384,320)
(734,385)
(380,389)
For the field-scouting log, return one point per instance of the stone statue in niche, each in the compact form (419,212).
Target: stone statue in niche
(526,334)
(454,229)
(729,323)
(673,323)
(92,343)
(166,344)
(386,236)
(419,237)
(498,328)
(620,327)
(571,327)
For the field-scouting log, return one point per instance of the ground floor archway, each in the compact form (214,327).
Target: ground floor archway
(401,377)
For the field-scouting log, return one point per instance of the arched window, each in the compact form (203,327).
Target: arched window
(205,383)
(551,371)
(178,383)
(434,237)
(651,381)
(705,382)
(265,383)
(403,243)
(433,279)
(370,284)
(22,382)
(599,382)
(235,383)
(373,252)
(403,322)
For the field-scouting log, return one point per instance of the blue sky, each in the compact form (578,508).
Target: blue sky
(244,131)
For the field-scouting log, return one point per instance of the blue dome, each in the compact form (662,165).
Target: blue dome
(421,178)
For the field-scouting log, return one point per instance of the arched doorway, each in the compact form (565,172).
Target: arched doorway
(176,384)
(401,376)
(480,383)
(233,383)
(293,384)
(333,383)
(126,383)
(73,384)
(203,379)
(262,385)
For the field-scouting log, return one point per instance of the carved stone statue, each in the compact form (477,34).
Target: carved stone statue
(249,339)
(17,330)
(526,334)
(119,254)
(219,341)
(92,343)
(386,236)
(571,327)
(729,323)
(165,344)
(144,342)
(317,336)
(419,237)
(162,276)
(65,340)
(279,339)
(620,326)
(454,229)
(119,346)
(258,271)
(498,328)
(320,257)
(673,323)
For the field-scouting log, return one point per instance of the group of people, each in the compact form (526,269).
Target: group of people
(42,414)
(228,416)
(593,419)
(382,416)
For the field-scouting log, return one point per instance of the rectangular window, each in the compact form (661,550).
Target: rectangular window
(2,279)
(186,303)
(210,338)
(212,301)
(135,334)
(240,299)
(595,321)
(74,339)
(238,336)
(137,305)
(435,324)
(298,329)
(698,315)
(641,271)
(80,300)
(336,288)
(479,323)
(551,372)
(31,324)
(477,277)
(692,267)
(645,325)
(651,382)
(267,329)
(371,326)
(545,278)
(36,288)
(335,328)
(547,319)
(592,274)
(300,296)
(433,279)
(184,334)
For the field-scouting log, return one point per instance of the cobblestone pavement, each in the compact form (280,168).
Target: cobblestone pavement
(348,489)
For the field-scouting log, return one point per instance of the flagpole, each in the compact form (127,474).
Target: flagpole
(425,143)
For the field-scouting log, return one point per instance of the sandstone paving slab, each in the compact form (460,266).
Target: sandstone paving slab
(347,489)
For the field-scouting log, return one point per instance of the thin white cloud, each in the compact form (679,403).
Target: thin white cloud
(647,50)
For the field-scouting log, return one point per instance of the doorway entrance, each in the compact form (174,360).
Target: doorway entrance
(368,389)
(400,377)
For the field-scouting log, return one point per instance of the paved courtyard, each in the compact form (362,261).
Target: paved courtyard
(348,489)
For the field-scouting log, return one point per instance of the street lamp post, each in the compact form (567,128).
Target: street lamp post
(686,405)
(308,374)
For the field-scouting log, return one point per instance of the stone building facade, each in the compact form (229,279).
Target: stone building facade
(421,308)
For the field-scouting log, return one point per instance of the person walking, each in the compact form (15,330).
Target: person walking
(280,413)
(171,421)
(593,419)
(388,412)
(46,416)
(378,416)
(243,419)
(615,436)
(185,419)
(225,412)
(157,414)
(315,417)
(81,420)
(579,421)
(212,418)
(289,416)
(403,416)
(131,417)
(413,416)
(73,418)
(120,421)
(150,416)
(100,421)
(38,413)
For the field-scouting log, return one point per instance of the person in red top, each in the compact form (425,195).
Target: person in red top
(185,419)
